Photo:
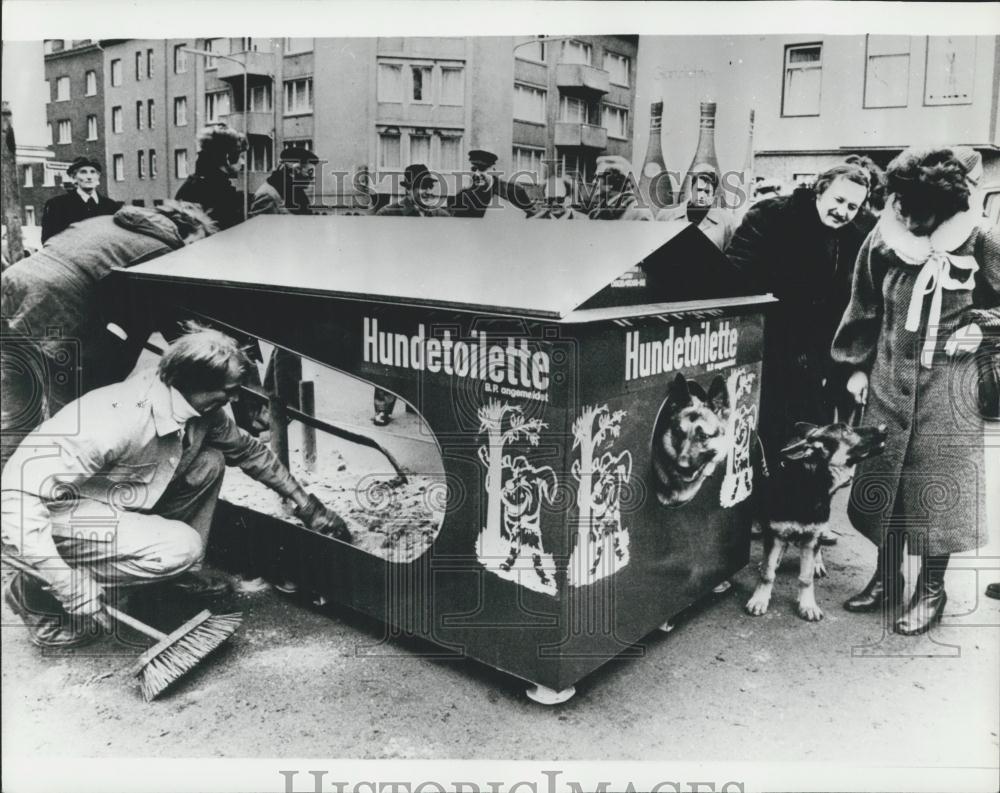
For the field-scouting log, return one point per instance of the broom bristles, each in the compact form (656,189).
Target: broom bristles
(185,653)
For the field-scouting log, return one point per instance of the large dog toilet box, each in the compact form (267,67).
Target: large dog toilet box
(585,396)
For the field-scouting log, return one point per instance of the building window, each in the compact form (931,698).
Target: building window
(180,111)
(116,119)
(150,113)
(219,46)
(295,46)
(259,98)
(298,96)
(29,216)
(140,167)
(576,168)
(529,103)
(951,70)
(302,143)
(91,82)
(149,63)
(49,127)
(803,71)
(246,45)
(576,52)
(575,111)
(180,163)
(217,104)
(54,173)
(62,89)
(390,155)
(887,71)
(420,147)
(452,85)
(138,114)
(420,84)
(91,127)
(152,163)
(390,82)
(65,132)
(180,59)
(118,167)
(533,50)
(259,155)
(617,68)
(116,71)
(451,152)
(616,120)
(29,176)
(138,66)
(527,164)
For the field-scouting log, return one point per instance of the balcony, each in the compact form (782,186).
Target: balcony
(256,123)
(578,79)
(259,64)
(588,136)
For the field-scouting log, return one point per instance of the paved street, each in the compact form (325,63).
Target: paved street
(299,681)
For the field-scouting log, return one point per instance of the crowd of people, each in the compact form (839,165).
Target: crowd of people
(888,284)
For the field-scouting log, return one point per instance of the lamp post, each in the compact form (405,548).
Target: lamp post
(246,116)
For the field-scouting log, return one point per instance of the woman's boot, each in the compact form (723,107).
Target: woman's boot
(928,601)
(886,585)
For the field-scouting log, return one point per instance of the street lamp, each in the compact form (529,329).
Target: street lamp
(246,116)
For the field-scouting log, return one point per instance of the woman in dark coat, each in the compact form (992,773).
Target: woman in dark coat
(908,334)
(219,151)
(801,248)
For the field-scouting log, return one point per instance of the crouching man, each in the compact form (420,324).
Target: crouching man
(119,488)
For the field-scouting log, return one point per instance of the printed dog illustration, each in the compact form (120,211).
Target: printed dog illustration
(605,500)
(521,498)
(689,438)
(817,463)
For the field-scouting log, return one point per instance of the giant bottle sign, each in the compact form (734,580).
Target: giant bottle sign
(705,158)
(654,181)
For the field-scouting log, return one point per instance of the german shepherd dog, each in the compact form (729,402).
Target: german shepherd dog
(813,466)
(689,438)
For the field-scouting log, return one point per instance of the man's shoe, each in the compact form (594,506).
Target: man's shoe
(993,590)
(203,584)
(381,418)
(49,626)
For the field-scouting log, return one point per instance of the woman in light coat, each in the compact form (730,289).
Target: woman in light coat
(908,333)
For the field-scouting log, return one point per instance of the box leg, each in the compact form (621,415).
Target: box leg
(544,695)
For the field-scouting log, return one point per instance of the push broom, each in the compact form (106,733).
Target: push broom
(174,654)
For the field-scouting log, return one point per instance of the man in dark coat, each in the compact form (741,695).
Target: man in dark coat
(81,203)
(801,248)
(284,192)
(486,189)
(220,149)
(419,201)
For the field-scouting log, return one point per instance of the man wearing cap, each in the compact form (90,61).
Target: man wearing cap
(472,202)
(419,200)
(284,192)
(716,223)
(79,204)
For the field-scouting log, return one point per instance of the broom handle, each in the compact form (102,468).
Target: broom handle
(116,615)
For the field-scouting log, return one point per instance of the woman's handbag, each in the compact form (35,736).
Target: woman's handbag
(988,362)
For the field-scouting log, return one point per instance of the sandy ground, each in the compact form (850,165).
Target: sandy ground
(300,680)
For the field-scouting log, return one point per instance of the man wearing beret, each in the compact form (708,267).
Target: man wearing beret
(79,204)
(284,191)
(472,202)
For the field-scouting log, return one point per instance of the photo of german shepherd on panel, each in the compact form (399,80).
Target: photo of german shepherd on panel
(689,438)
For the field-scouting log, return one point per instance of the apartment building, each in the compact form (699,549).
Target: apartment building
(818,97)
(376,104)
